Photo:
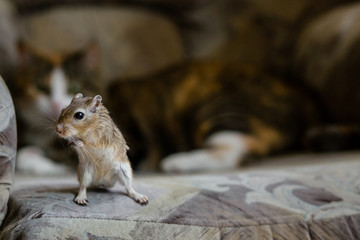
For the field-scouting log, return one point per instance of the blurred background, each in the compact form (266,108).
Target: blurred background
(313,43)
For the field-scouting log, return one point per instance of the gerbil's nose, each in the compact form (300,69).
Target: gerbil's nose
(59,128)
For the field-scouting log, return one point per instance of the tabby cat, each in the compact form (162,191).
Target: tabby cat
(207,116)
(189,117)
(192,116)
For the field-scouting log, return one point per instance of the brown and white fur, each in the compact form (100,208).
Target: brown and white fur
(201,116)
(101,147)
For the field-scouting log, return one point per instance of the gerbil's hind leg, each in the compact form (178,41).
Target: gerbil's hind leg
(85,178)
(125,177)
(225,150)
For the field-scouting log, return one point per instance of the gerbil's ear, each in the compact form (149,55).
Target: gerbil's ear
(95,103)
(78,95)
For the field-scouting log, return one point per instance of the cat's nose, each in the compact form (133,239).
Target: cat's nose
(59,128)
(56,107)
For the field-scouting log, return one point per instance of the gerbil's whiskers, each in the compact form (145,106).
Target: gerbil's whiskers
(47,123)
(49,128)
(51,116)
(49,120)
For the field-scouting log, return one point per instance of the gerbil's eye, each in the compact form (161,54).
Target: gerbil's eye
(79,115)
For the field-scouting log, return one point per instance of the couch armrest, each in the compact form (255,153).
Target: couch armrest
(8,141)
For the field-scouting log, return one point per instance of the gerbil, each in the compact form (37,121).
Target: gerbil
(101,148)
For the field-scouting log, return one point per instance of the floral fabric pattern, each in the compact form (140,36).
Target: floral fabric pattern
(317,202)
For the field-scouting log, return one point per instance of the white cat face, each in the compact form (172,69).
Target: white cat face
(59,90)
(58,96)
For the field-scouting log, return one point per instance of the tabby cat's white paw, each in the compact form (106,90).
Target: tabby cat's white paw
(31,159)
(188,161)
(225,150)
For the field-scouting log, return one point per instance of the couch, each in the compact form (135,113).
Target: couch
(318,200)
(303,196)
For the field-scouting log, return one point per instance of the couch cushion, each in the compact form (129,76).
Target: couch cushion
(313,202)
(7,146)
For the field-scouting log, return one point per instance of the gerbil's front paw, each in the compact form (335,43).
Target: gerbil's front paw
(82,201)
(141,199)
(80,143)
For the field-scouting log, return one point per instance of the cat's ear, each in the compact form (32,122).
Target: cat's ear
(86,59)
(95,103)
(91,56)
(76,96)
(26,54)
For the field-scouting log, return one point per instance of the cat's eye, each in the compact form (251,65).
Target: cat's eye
(79,115)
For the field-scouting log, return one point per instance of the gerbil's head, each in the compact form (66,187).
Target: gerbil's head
(79,116)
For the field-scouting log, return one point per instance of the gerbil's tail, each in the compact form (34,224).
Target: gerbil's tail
(333,138)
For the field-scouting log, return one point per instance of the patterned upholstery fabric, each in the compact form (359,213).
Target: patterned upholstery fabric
(7,146)
(312,202)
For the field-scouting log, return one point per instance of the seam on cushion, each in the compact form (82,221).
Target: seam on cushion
(218,221)
(212,226)
(181,224)
(254,219)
